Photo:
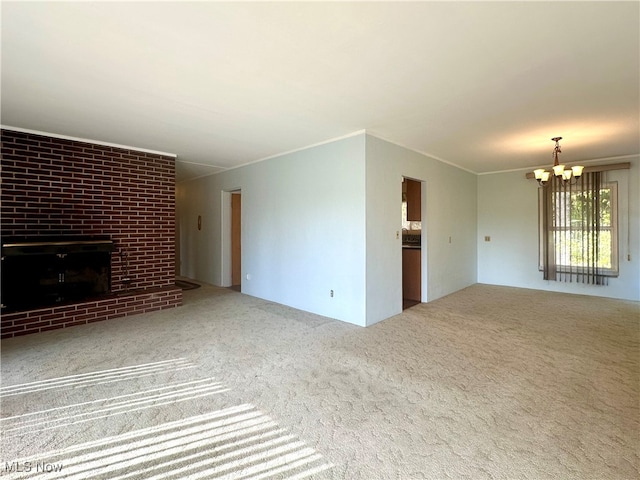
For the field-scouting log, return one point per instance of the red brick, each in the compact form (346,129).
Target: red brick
(26,332)
(51,327)
(12,329)
(73,324)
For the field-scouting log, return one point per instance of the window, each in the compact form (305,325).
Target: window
(578,230)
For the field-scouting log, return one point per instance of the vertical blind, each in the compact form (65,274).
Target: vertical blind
(572,217)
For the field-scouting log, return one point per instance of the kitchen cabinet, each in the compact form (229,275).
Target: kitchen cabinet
(414,200)
(411,274)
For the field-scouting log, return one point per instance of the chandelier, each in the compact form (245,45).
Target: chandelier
(542,176)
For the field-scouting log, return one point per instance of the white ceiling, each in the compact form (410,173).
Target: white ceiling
(482,85)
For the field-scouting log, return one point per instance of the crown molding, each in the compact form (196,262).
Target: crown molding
(87,140)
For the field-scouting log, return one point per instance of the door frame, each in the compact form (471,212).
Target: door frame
(225,236)
(423,239)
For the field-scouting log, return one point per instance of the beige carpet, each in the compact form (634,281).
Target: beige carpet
(490,382)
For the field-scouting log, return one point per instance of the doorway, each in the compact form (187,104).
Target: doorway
(411,242)
(236,244)
(231,239)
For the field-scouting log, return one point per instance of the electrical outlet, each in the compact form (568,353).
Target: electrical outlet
(331,293)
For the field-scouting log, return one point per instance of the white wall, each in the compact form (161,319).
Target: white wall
(448,210)
(508,213)
(326,218)
(303,228)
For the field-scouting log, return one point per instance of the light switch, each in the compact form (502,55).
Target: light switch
(487,238)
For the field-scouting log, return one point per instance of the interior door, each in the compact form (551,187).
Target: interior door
(236,251)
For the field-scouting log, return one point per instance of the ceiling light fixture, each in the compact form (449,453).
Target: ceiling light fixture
(542,176)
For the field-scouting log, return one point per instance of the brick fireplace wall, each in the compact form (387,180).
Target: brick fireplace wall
(56,186)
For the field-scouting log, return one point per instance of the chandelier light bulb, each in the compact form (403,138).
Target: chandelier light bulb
(577,171)
(558,170)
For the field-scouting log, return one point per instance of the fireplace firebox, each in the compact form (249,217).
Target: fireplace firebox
(44,271)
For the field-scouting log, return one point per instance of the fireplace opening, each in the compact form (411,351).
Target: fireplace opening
(40,272)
